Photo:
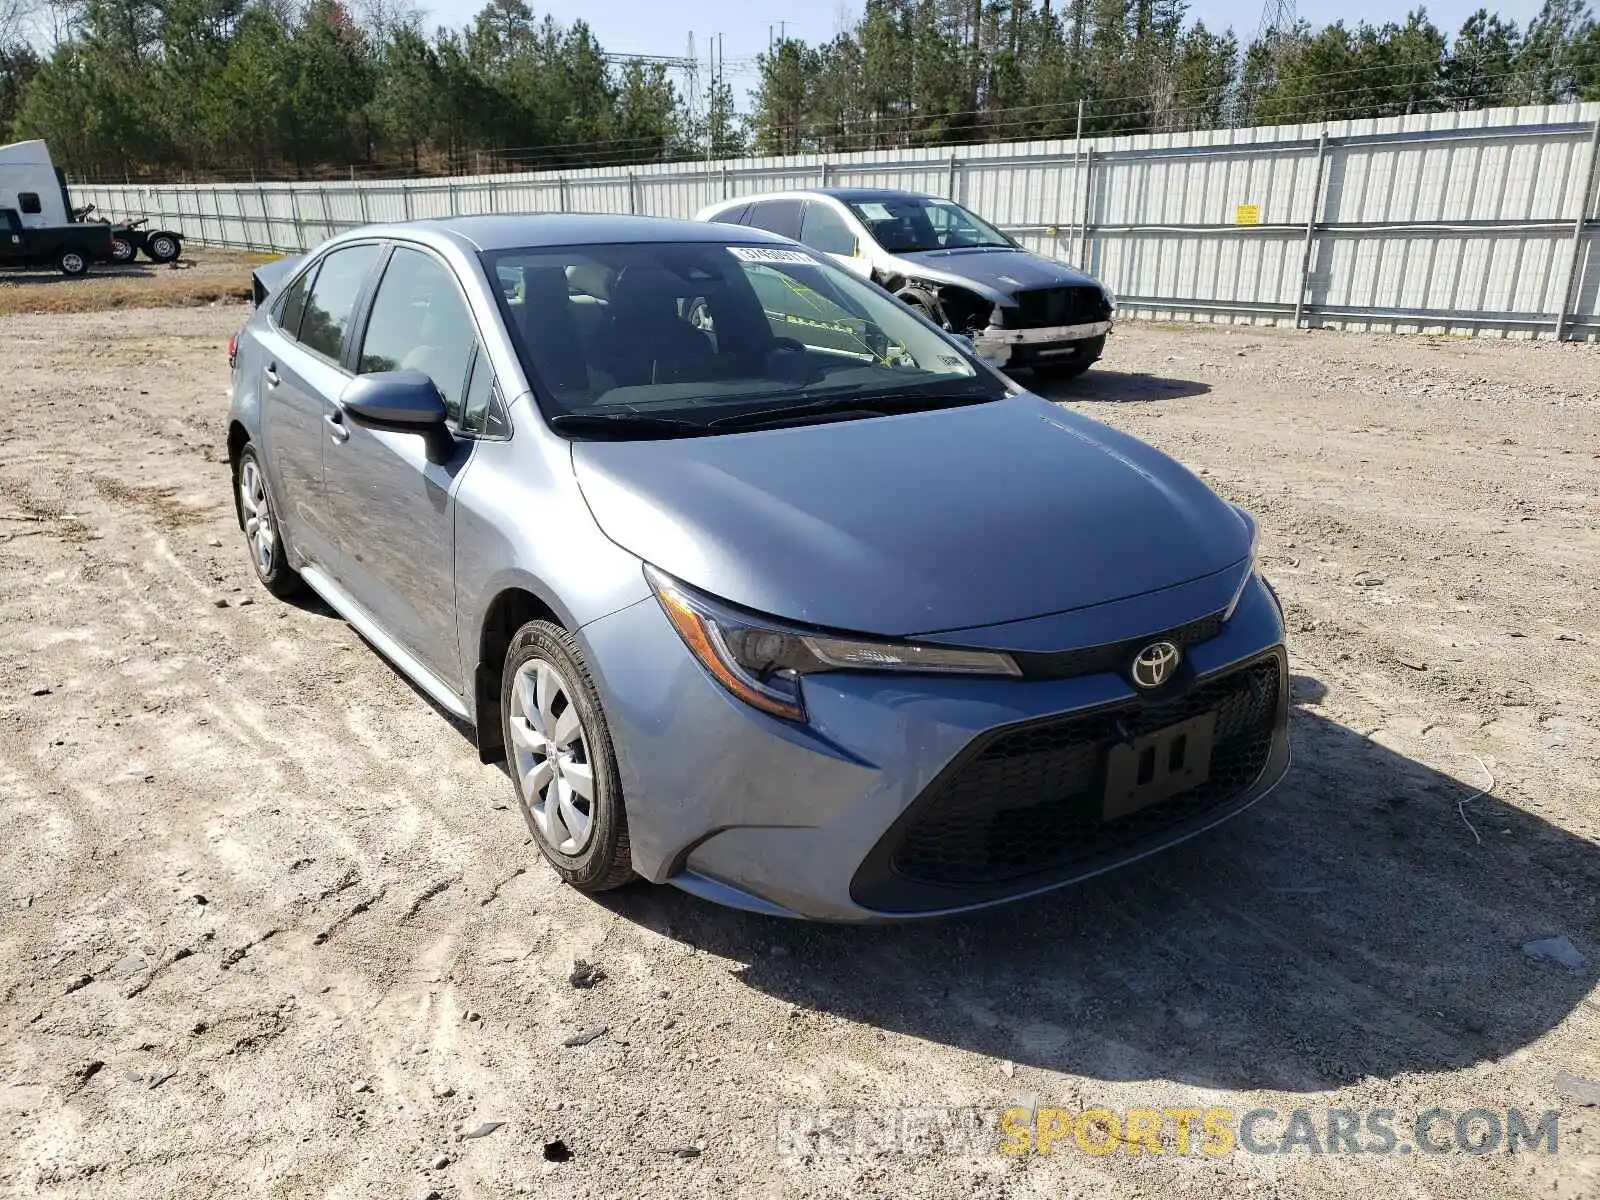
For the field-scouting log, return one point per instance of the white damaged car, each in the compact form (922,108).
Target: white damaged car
(1019,309)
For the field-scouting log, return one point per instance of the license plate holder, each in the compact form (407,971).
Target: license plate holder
(1158,765)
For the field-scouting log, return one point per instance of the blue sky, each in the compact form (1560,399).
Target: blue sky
(655,27)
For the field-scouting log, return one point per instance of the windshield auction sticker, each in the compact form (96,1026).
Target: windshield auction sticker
(761,254)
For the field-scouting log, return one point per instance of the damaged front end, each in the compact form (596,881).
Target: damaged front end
(1035,325)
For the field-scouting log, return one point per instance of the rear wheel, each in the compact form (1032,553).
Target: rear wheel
(558,748)
(262,534)
(164,247)
(72,263)
(122,250)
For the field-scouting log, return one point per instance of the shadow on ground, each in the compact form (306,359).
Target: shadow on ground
(1348,926)
(1114,387)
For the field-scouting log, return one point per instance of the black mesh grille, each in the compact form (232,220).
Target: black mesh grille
(1044,307)
(1028,802)
(1114,656)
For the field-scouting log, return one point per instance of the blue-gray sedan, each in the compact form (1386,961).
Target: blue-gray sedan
(758,582)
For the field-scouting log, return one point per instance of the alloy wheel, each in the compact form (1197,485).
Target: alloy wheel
(258,524)
(550,752)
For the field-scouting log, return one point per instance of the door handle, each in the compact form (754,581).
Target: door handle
(336,429)
(271,374)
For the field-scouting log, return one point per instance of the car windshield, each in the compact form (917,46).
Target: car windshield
(911,224)
(644,339)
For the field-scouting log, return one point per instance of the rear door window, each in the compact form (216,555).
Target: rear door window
(776,216)
(333,298)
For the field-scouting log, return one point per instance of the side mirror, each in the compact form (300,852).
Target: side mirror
(400,402)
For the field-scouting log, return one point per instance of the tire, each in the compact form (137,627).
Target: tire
(545,675)
(269,555)
(122,250)
(73,263)
(920,302)
(163,247)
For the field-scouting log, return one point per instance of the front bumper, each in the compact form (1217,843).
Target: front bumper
(998,346)
(793,820)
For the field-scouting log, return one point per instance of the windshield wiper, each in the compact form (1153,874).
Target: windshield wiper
(626,424)
(879,404)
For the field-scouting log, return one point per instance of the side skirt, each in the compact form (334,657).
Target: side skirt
(341,603)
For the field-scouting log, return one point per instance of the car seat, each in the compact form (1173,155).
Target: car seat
(550,333)
(646,340)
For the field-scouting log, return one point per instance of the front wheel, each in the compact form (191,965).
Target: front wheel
(72,263)
(122,250)
(164,247)
(558,748)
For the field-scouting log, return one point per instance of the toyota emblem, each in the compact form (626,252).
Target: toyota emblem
(1155,664)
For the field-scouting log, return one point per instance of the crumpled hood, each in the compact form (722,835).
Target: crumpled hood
(1003,273)
(914,523)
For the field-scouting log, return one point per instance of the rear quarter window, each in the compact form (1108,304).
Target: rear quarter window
(293,305)
(781,217)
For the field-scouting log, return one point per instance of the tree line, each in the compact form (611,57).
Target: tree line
(927,72)
(305,88)
(268,89)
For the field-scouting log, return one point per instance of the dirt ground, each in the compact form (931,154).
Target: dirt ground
(199,277)
(269,928)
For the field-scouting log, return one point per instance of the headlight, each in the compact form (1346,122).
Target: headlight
(1111,297)
(1255,544)
(761,661)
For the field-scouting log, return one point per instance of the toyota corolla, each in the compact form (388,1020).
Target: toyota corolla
(758,582)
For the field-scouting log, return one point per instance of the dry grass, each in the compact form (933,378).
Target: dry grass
(206,278)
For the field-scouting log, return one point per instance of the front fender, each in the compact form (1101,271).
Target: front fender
(522,525)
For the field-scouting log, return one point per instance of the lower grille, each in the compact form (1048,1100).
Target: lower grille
(1027,802)
(1045,307)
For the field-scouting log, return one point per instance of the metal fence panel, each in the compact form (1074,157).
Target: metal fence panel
(1482,222)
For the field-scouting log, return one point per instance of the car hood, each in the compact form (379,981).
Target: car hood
(1003,273)
(915,523)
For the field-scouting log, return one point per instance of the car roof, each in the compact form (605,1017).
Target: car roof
(515,231)
(852,195)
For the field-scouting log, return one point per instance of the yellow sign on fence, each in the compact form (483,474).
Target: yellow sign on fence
(1247,214)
